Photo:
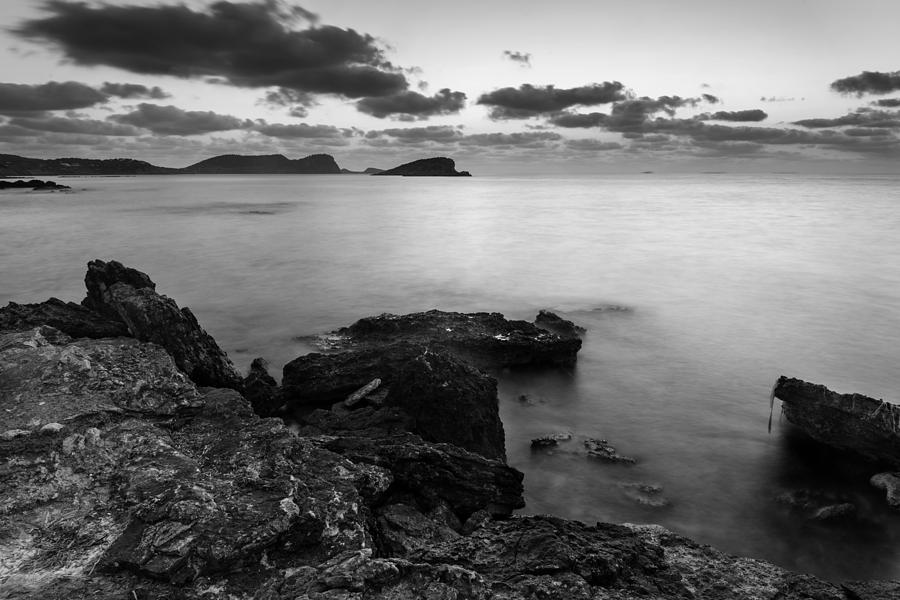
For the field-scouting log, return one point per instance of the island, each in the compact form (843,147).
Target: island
(138,463)
(440,166)
(34,184)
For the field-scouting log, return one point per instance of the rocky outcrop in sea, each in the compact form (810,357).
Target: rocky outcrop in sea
(128,473)
(439,166)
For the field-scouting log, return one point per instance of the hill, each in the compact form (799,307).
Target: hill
(264,164)
(440,166)
(12,165)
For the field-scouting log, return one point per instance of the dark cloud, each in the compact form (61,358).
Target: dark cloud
(528,139)
(298,103)
(594,119)
(172,120)
(413,105)
(633,116)
(737,115)
(70,125)
(133,90)
(589,145)
(861,117)
(522,58)
(776,99)
(432,133)
(710,98)
(529,101)
(868,82)
(887,102)
(22,98)
(301,130)
(250,44)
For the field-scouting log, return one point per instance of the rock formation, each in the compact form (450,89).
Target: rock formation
(121,478)
(33,184)
(852,422)
(265,165)
(427,167)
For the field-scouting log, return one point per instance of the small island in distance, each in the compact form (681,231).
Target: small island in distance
(226,164)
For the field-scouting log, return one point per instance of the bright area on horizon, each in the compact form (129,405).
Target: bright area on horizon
(500,86)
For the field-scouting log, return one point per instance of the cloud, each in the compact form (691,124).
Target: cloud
(887,102)
(861,117)
(528,139)
(22,98)
(522,58)
(632,116)
(413,105)
(529,101)
(133,90)
(566,119)
(70,125)
(248,44)
(737,115)
(590,145)
(776,99)
(710,98)
(415,135)
(868,82)
(301,130)
(172,120)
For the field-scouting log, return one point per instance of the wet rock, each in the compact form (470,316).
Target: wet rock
(872,590)
(852,422)
(553,323)
(645,494)
(70,318)
(817,505)
(890,483)
(130,295)
(261,389)
(403,529)
(551,440)
(601,450)
(362,393)
(834,512)
(487,340)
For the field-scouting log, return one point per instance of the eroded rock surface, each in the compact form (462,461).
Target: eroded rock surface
(70,318)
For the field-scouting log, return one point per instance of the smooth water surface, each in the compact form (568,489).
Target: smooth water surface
(726,283)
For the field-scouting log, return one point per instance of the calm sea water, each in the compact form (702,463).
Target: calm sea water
(729,282)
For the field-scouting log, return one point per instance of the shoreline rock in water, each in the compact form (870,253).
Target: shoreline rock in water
(866,426)
(123,478)
(32,184)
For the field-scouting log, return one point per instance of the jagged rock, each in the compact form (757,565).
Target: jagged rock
(890,483)
(551,440)
(872,590)
(553,323)
(487,340)
(70,318)
(403,529)
(437,473)
(601,450)
(261,389)
(130,295)
(852,422)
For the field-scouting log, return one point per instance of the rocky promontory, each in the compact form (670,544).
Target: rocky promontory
(133,466)
(440,166)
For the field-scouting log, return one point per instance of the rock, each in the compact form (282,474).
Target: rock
(450,401)
(362,393)
(403,529)
(261,389)
(130,295)
(872,590)
(551,440)
(834,512)
(601,450)
(890,483)
(645,494)
(816,505)
(52,428)
(487,340)
(70,318)
(852,422)
(439,167)
(34,184)
(555,324)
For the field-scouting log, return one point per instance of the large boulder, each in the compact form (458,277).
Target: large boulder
(866,426)
(487,340)
(130,296)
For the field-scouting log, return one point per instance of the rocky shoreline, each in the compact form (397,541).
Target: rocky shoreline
(136,462)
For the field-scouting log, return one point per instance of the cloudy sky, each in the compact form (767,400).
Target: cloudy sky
(502,86)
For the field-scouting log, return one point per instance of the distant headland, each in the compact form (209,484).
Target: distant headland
(226,164)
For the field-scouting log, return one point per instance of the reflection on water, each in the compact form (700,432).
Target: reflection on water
(697,293)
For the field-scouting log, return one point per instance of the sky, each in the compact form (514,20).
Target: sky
(500,86)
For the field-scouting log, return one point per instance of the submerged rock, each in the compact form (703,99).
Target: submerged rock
(645,494)
(130,295)
(852,422)
(487,340)
(817,505)
(890,483)
(551,440)
(601,450)
(70,318)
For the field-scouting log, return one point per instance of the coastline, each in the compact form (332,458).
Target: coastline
(133,477)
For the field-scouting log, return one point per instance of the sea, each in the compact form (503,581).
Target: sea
(696,291)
